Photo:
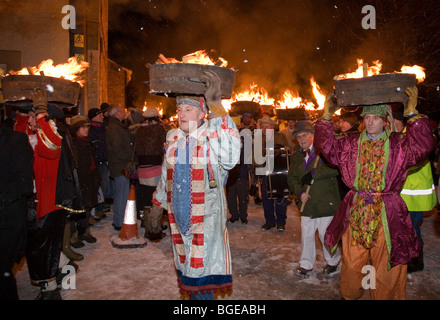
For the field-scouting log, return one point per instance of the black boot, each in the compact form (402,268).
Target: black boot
(49,291)
(416,264)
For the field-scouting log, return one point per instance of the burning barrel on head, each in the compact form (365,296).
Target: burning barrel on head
(17,90)
(61,82)
(377,89)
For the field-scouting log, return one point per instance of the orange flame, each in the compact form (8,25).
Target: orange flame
(254,93)
(69,71)
(417,70)
(319,96)
(359,73)
(198,57)
(290,100)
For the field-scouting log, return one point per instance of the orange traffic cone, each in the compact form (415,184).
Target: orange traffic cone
(128,236)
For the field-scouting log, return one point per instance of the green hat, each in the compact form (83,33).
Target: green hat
(380,110)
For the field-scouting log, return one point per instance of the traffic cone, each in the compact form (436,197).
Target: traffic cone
(128,236)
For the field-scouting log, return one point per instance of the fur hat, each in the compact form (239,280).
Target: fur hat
(303,126)
(267,119)
(78,121)
(151,113)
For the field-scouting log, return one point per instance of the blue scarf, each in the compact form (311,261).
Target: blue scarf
(181,198)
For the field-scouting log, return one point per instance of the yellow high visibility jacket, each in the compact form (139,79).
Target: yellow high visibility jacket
(418,191)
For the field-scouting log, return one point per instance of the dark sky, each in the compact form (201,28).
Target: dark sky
(275,43)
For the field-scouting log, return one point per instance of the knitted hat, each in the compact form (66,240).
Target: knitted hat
(380,110)
(78,121)
(94,112)
(195,101)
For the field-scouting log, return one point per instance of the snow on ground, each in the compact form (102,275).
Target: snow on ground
(264,265)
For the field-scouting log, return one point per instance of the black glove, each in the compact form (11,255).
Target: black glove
(307,179)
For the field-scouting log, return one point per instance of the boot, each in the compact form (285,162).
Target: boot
(67,250)
(87,236)
(144,216)
(75,242)
(49,291)
(416,264)
(154,236)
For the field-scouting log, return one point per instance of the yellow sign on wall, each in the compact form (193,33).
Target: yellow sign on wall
(79,40)
(79,57)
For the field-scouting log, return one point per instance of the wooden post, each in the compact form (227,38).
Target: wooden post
(365,69)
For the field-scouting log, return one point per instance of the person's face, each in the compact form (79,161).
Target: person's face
(265,127)
(305,140)
(31,121)
(247,121)
(120,114)
(374,125)
(190,117)
(399,125)
(291,124)
(344,125)
(83,131)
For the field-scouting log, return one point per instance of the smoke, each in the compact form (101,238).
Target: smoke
(275,44)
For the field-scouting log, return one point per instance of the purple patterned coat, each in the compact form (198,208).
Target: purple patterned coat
(404,151)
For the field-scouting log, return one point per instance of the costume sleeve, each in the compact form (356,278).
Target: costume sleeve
(325,142)
(49,140)
(224,140)
(419,141)
(21,123)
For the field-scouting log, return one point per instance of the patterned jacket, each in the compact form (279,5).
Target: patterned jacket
(402,152)
(198,225)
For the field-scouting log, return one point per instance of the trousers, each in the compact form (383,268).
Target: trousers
(308,254)
(367,269)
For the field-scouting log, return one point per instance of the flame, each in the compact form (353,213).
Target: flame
(290,100)
(70,70)
(359,73)
(198,57)
(417,70)
(319,96)
(254,93)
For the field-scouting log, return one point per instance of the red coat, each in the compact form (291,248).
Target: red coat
(47,154)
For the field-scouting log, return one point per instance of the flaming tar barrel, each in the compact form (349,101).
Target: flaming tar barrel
(381,88)
(240,107)
(173,79)
(292,114)
(17,90)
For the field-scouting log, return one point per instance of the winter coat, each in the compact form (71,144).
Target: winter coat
(403,152)
(149,147)
(88,175)
(68,193)
(97,137)
(120,147)
(16,183)
(200,244)
(324,193)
